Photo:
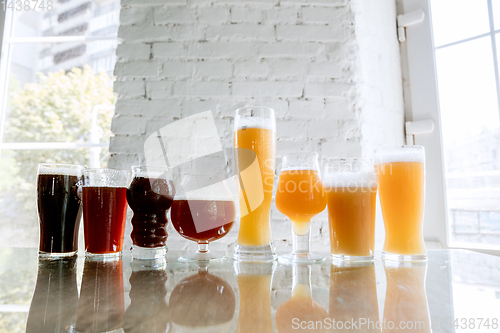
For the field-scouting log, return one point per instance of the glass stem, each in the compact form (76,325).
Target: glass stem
(202,247)
(301,243)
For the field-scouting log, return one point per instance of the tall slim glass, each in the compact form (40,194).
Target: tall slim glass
(401,177)
(104,197)
(59,209)
(255,143)
(150,196)
(300,197)
(351,191)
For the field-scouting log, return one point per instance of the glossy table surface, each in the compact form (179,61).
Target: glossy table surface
(450,293)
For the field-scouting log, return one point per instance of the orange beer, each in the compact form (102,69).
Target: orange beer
(351,191)
(401,178)
(300,197)
(351,216)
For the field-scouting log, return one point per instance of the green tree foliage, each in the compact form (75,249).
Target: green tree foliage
(57,108)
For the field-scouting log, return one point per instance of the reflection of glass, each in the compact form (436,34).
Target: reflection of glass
(59,208)
(401,177)
(254,284)
(150,196)
(301,308)
(104,211)
(101,305)
(148,309)
(406,299)
(351,190)
(300,196)
(53,307)
(202,303)
(203,211)
(255,140)
(353,295)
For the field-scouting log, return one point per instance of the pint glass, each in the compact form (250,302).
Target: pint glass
(59,208)
(104,199)
(401,177)
(255,143)
(351,191)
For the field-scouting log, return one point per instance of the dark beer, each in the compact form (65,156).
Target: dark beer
(59,211)
(149,199)
(203,221)
(104,213)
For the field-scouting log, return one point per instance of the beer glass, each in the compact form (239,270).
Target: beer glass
(255,143)
(351,192)
(150,196)
(401,178)
(203,211)
(59,208)
(104,197)
(300,196)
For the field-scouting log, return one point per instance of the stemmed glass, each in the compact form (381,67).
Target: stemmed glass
(203,211)
(300,196)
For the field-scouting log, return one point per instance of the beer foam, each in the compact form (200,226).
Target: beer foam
(254,122)
(350,179)
(43,170)
(408,154)
(298,169)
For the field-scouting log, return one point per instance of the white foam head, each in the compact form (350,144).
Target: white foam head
(68,170)
(404,154)
(350,179)
(152,173)
(254,122)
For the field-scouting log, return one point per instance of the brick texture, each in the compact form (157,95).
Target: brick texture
(329,68)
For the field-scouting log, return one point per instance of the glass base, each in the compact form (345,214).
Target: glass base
(263,253)
(148,253)
(342,257)
(403,257)
(305,258)
(112,255)
(56,255)
(201,257)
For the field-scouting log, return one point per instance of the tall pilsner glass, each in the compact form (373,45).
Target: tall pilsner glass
(255,143)
(401,177)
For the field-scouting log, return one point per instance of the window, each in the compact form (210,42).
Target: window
(453,54)
(49,60)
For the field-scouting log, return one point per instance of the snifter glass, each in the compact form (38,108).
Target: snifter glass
(150,196)
(104,197)
(255,149)
(59,208)
(401,177)
(351,192)
(300,196)
(203,211)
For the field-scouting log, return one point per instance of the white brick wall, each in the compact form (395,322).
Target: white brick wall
(329,68)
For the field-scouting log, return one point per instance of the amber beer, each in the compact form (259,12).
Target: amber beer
(401,178)
(217,217)
(351,190)
(255,143)
(300,196)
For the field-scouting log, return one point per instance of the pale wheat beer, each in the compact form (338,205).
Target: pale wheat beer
(401,177)
(351,191)
(255,143)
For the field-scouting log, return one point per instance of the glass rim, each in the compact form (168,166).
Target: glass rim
(107,170)
(62,165)
(257,107)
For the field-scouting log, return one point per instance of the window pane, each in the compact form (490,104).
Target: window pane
(454,20)
(471,137)
(496,13)
(71,18)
